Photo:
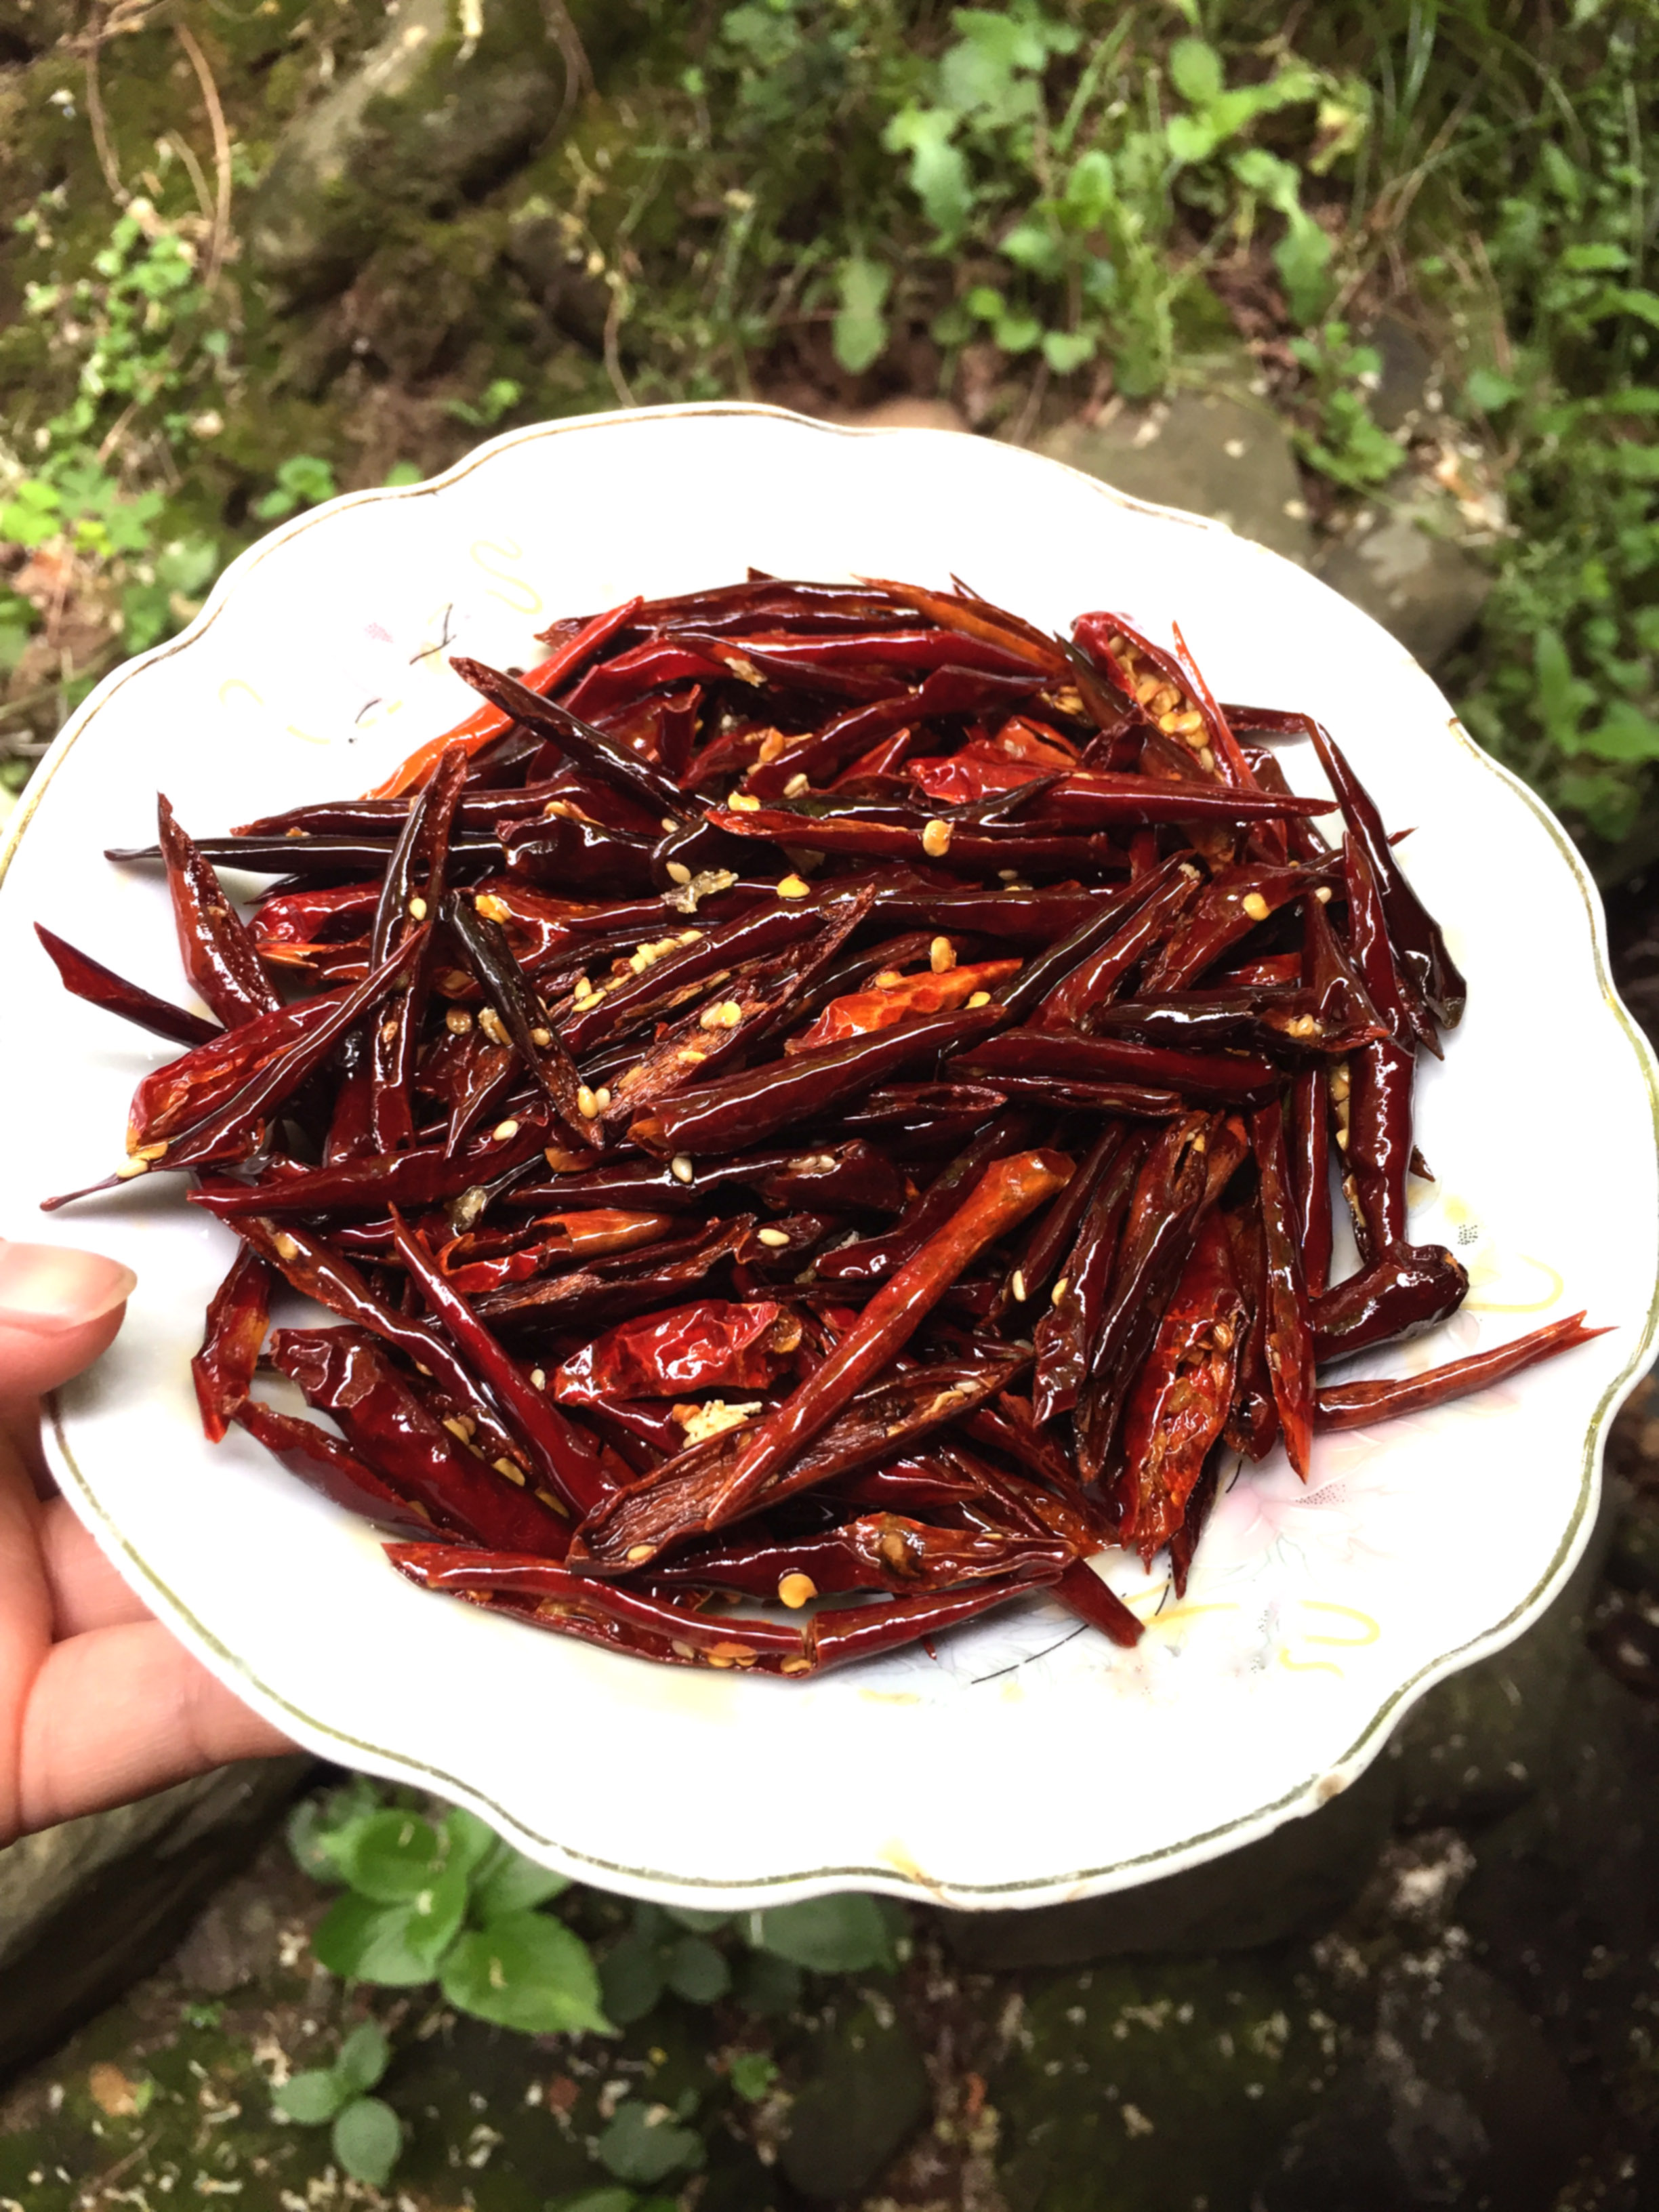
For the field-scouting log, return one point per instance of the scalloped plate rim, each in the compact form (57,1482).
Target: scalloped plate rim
(331,1742)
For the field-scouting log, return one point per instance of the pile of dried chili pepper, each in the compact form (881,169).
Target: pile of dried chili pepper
(813,1092)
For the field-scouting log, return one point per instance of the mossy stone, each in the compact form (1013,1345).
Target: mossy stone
(445,101)
(1155,2087)
(868,2091)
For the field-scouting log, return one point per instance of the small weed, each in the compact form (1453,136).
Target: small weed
(443,1901)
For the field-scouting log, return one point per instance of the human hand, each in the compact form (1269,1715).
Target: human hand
(99,1703)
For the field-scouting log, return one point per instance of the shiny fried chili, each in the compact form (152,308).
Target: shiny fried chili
(814,1091)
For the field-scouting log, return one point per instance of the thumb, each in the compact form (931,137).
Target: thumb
(58,1310)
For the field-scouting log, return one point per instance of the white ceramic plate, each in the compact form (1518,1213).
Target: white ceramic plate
(1033,1761)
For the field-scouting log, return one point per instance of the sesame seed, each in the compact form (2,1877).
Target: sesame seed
(417,909)
(936,839)
(538,1377)
(1255,906)
(776,1238)
(587,1104)
(941,955)
(979,998)
(504,1130)
(1323,894)
(457,1021)
(678,872)
(638,1552)
(796,1590)
(1060,1289)
(681,1168)
(669,825)
(796,785)
(1017,1285)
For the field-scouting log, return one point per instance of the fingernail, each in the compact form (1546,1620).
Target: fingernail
(47,1288)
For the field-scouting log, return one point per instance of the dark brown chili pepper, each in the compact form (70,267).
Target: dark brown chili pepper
(577,740)
(213,942)
(324,1463)
(742,1109)
(1290,1334)
(1409,1288)
(341,1372)
(520,1012)
(101,986)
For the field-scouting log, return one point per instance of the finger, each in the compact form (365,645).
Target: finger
(58,1310)
(86,1590)
(119,1712)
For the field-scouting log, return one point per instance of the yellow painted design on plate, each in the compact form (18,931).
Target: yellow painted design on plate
(523,597)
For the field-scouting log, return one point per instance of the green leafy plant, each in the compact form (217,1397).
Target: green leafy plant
(302,480)
(1346,444)
(437,1898)
(366,2134)
(499,397)
(669,1948)
(449,1902)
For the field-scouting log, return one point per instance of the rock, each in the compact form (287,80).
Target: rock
(870,2089)
(417,291)
(1486,1739)
(1300,1877)
(87,1908)
(1424,590)
(538,246)
(1155,2087)
(436,109)
(1206,452)
(235,1942)
(1458,2101)
(1408,382)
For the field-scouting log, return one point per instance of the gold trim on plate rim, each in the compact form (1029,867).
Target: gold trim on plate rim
(1262,1820)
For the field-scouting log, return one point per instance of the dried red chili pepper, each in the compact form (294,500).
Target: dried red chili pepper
(238,1316)
(610,1082)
